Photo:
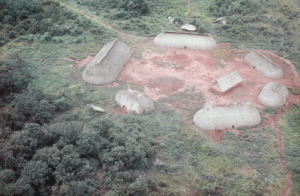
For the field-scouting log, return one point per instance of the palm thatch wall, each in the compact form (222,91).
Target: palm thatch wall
(186,40)
(108,63)
(227,117)
(134,101)
(263,65)
(274,94)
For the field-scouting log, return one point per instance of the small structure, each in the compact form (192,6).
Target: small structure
(263,65)
(96,108)
(227,82)
(274,94)
(134,101)
(227,117)
(222,19)
(188,27)
(186,40)
(171,19)
(108,63)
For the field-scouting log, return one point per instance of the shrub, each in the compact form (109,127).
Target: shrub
(46,37)
(12,35)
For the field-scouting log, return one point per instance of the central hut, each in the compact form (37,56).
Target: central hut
(186,40)
(227,82)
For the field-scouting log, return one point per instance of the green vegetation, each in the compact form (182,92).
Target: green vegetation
(269,25)
(51,142)
(291,135)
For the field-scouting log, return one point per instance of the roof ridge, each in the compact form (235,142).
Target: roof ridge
(114,43)
(266,58)
(202,34)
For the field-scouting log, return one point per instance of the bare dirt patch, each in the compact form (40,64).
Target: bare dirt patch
(218,135)
(196,68)
(99,172)
(120,111)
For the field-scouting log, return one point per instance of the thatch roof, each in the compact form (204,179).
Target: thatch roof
(263,65)
(108,63)
(188,27)
(227,82)
(222,19)
(227,117)
(274,94)
(186,40)
(97,108)
(134,101)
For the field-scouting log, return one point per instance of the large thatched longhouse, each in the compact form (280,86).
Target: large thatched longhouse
(227,117)
(263,65)
(186,40)
(107,64)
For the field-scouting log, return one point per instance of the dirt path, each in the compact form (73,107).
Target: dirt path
(100,21)
(100,180)
(191,11)
(280,150)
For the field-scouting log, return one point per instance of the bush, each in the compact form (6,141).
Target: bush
(57,40)
(12,35)
(3,39)
(46,37)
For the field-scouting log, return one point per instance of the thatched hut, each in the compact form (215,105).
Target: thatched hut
(274,94)
(227,117)
(263,65)
(188,27)
(108,63)
(134,101)
(227,82)
(186,40)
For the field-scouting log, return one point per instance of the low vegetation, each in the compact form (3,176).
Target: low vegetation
(52,142)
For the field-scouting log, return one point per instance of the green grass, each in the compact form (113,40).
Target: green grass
(290,131)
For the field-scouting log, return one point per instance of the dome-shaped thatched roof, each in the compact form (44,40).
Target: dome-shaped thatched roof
(227,117)
(134,101)
(263,65)
(188,27)
(274,94)
(186,40)
(107,64)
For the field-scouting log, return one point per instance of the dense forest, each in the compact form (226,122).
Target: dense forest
(49,145)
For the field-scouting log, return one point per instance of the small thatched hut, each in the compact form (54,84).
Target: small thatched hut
(134,101)
(108,63)
(188,27)
(274,94)
(186,40)
(263,65)
(227,117)
(227,82)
